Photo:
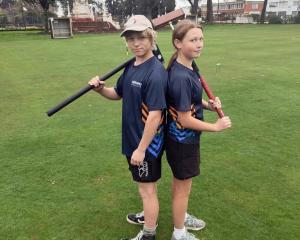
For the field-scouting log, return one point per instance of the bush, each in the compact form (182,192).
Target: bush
(297,19)
(3,19)
(275,20)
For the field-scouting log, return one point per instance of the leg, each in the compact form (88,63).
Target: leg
(148,193)
(146,177)
(181,193)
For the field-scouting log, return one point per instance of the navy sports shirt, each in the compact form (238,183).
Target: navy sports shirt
(184,93)
(143,89)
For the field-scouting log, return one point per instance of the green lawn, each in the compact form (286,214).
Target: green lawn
(64,177)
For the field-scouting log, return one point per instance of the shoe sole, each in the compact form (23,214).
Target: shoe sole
(194,229)
(132,222)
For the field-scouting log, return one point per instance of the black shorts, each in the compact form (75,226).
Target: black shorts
(184,159)
(150,171)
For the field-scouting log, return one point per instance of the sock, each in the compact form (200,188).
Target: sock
(149,231)
(178,233)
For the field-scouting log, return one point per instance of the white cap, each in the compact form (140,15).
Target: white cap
(137,23)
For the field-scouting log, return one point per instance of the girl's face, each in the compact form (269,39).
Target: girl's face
(139,44)
(192,43)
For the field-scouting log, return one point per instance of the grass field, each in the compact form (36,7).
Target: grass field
(64,177)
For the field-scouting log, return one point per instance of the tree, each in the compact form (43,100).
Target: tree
(121,9)
(45,4)
(263,12)
(96,6)
(7,3)
(209,12)
(209,9)
(65,4)
(194,6)
(153,9)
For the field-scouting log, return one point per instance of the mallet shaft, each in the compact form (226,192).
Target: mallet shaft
(207,89)
(86,89)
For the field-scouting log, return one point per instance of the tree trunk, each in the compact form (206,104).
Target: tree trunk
(148,12)
(209,12)
(194,6)
(194,9)
(263,12)
(46,15)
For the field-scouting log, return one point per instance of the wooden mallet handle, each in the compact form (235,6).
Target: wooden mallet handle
(207,88)
(210,95)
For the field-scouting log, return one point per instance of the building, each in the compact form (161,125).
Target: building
(283,8)
(239,11)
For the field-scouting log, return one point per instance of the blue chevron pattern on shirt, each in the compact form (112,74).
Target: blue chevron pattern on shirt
(180,134)
(157,143)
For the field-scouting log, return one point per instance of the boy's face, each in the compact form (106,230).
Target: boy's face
(138,43)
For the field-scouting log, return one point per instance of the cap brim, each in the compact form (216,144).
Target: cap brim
(135,28)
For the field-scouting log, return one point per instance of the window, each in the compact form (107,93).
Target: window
(296,3)
(282,14)
(273,5)
(283,4)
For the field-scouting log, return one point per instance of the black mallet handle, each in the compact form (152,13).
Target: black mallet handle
(157,23)
(86,89)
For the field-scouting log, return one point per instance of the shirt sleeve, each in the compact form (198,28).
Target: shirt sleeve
(155,90)
(119,86)
(181,93)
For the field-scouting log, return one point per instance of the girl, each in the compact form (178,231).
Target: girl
(142,88)
(185,120)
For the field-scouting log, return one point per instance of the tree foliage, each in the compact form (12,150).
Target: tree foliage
(122,9)
(7,3)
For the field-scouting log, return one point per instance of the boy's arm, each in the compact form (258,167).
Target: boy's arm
(151,125)
(109,93)
(99,87)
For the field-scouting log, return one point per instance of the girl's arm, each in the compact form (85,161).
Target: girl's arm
(205,105)
(188,121)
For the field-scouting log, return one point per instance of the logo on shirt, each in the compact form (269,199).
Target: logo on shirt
(136,84)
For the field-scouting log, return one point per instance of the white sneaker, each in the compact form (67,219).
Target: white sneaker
(193,223)
(140,236)
(187,236)
(190,223)
(136,218)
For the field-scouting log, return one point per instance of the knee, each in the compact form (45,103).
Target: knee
(147,190)
(181,189)
(181,193)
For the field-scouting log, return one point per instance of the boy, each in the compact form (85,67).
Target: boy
(142,88)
